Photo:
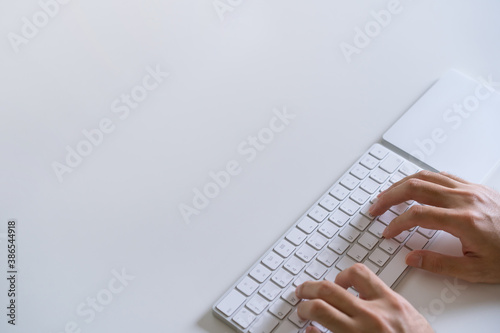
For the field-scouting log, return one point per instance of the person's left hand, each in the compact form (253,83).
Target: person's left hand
(378,308)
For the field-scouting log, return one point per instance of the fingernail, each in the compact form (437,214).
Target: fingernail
(385,232)
(414,260)
(298,290)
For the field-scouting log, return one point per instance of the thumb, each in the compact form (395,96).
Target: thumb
(438,263)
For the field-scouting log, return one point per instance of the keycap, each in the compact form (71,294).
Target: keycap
(402,236)
(272,260)
(360,222)
(395,268)
(231,302)
(307,225)
(264,324)
(399,209)
(379,257)
(316,269)
(371,266)
(349,207)
(338,245)
(389,245)
(349,234)
(379,175)
(247,286)
(284,248)
(350,182)
(321,328)
(328,229)
(289,296)
(359,171)
(426,232)
(345,263)
(329,203)
(328,257)
(396,177)
(294,265)
(244,318)
(391,163)
(294,318)
(318,214)
(317,241)
(282,278)
(357,253)
(270,290)
(303,277)
(260,273)
(387,217)
(339,192)
(257,304)
(370,186)
(296,237)
(360,196)
(369,162)
(368,241)
(416,241)
(339,218)
(331,275)
(280,309)
(408,169)
(378,152)
(377,229)
(365,211)
(306,253)
(287,327)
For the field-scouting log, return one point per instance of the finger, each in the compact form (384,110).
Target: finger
(432,177)
(363,280)
(455,178)
(429,217)
(438,263)
(330,293)
(414,189)
(312,329)
(328,316)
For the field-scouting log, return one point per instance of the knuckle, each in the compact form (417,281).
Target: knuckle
(318,307)
(425,174)
(414,184)
(415,210)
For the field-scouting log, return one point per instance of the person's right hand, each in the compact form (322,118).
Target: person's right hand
(468,211)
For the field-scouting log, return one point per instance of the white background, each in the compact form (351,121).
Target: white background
(119,208)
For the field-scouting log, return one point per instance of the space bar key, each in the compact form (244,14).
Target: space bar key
(395,268)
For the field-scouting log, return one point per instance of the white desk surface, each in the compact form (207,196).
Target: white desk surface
(118,209)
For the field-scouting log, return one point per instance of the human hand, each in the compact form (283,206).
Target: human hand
(378,308)
(468,211)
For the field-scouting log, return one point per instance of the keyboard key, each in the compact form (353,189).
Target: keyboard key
(244,318)
(317,241)
(257,304)
(316,270)
(306,253)
(357,253)
(260,273)
(391,163)
(270,290)
(329,203)
(349,207)
(377,229)
(365,211)
(339,218)
(379,175)
(359,171)
(296,237)
(402,236)
(408,169)
(387,217)
(328,229)
(416,241)
(395,268)
(287,327)
(272,261)
(349,234)
(247,286)
(301,279)
(290,297)
(370,186)
(318,214)
(379,257)
(331,275)
(400,209)
(379,152)
(294,318)
(371,266)
(339,192)
(360,222)
(369,161)
(327,257)
(360,196)
(294,265)
(368,241)
(350,182)
(426,232)
(265,324)
(389,245)
(338,245)
(396,177)
(321,328)
(280,309)
(282,278)
(307,225)
(284,248)
(231,302)
(345,263)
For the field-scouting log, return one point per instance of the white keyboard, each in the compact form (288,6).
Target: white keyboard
(334,234)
